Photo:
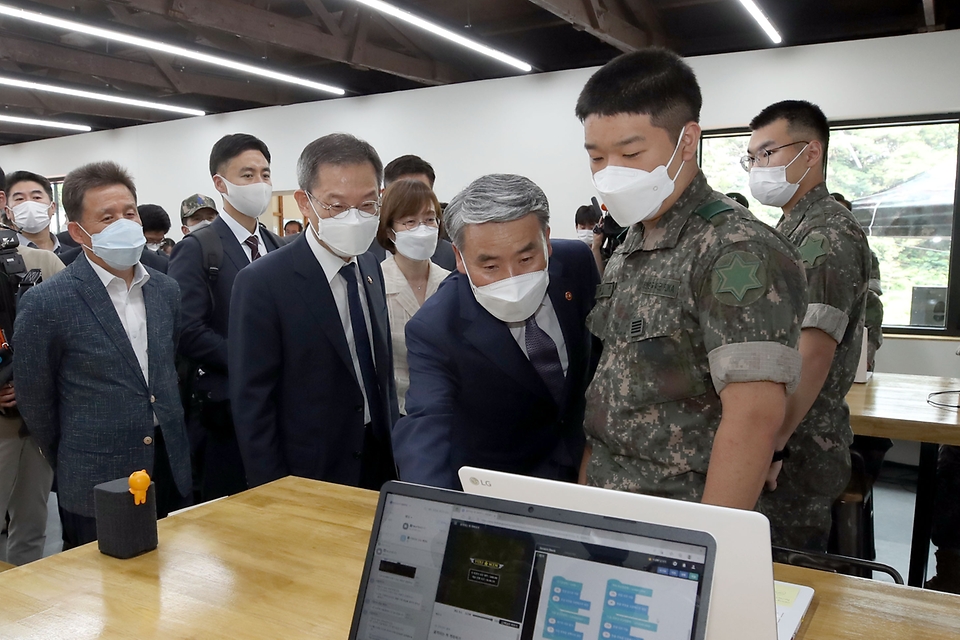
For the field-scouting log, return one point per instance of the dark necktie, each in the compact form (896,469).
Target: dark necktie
(543,355)
(254,245)
(361,340)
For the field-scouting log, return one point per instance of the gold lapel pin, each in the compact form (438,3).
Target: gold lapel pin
(568,296)
(369,280)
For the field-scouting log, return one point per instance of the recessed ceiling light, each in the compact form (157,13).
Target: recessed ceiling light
(762,20)
(103,97)
(156,45)
(436,29)
(53,124)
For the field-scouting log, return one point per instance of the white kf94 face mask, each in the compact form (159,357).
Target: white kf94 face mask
(635,195)
(417,244)
(769,185)
(348,234)
(31,216)
(252,200)
(516,298)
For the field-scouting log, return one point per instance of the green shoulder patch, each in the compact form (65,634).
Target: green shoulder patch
(814,249)
(739,278)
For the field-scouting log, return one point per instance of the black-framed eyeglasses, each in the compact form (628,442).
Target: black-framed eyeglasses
(763,156)
(367,209)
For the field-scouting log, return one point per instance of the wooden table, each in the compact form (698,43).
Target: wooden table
(895,406)
(284,561)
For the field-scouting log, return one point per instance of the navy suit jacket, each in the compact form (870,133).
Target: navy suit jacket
(80,388)
(474,397)
(297,404)
(150,259)
(206,319)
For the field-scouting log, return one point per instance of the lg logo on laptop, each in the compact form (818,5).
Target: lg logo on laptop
(477,481)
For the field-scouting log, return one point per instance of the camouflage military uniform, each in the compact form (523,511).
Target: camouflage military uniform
(836,256)
(684,310)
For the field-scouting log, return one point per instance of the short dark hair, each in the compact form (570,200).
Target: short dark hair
(739,198)
(154,218)
(27,176)
(290,222)
(338,149)
(803,118)
(655,82)
(3,181)
(408,165)
(92,176)
(403,197)
(229,147)
(839,198)
(586,215)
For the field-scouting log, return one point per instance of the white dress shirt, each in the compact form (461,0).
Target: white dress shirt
(242,235)
(331,264)
(132,311)
(547,320)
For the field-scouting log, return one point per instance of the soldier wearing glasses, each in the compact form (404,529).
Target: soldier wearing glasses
(311,360)
(785,158)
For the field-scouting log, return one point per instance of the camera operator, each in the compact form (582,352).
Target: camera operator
(25,476)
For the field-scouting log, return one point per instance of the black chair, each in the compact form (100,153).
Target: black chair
(834,563)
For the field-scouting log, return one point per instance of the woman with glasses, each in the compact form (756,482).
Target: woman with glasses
(409,228)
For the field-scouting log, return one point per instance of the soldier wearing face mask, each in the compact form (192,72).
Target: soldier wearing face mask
(785,158)
(699,309)
(29,210)
(196,212)
(499,356)
(205,264)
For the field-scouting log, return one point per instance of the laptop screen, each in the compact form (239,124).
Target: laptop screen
(443,570)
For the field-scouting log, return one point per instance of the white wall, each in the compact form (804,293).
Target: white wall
(525,125)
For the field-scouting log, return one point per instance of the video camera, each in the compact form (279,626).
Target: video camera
(14,280)
(613,233)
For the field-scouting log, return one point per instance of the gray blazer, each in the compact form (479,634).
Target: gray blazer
(80,389)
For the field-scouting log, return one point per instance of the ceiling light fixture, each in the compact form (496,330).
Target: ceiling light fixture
(103,97)
(426,25)
(762,20)
(53,124)
(155,45)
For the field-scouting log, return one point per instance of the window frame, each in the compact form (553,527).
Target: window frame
(951,328)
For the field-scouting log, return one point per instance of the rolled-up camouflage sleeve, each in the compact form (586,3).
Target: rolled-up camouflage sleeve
(833,259)
(752,300)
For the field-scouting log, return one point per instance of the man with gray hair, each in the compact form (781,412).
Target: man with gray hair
(500,357)
(325,327)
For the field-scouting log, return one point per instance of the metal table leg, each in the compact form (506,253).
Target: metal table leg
(923,514)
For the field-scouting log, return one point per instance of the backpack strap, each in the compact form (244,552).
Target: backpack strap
(713,208)
(211,249)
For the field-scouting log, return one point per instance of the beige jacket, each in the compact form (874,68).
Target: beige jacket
(49,265)
(401,305)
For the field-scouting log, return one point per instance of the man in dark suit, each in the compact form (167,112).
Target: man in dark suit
(239,159)
(500,357)
(412,167)
(96,382)
(311,363)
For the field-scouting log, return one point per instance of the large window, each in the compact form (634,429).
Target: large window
(901,180)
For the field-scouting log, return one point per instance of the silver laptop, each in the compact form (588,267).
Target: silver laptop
(742,605)
(444,564)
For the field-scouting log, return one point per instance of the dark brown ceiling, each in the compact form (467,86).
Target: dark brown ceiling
(346,44)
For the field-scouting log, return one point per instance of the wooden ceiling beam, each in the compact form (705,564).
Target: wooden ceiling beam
(249,22)
(40,54)
(599,21)
(51,104)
